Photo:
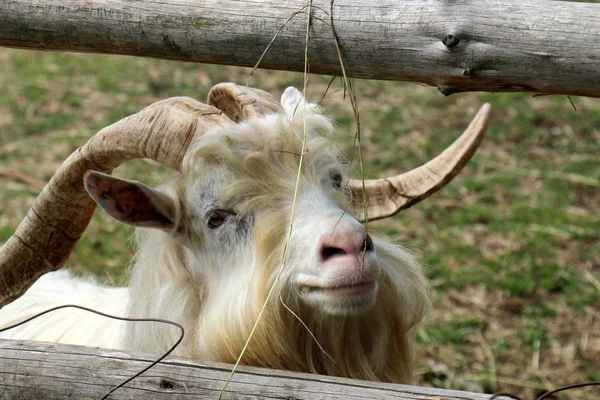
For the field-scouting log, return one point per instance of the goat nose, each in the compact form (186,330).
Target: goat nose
(346,243)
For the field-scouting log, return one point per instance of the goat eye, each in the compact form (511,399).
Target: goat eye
(336,179)
(217,217)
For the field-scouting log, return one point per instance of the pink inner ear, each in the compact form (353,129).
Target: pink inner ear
(130,202)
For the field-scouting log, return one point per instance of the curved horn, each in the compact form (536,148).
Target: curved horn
(45,238)
(241,102)
(385,197)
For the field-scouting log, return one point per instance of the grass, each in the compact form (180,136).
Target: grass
(511,246)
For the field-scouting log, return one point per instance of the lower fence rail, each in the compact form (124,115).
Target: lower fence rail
(40,370)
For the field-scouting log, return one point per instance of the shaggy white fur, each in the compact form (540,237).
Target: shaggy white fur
(68,325)
(359,295)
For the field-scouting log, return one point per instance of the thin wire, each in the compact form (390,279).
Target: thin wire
(499,395)
(550,393)
(569,387)
(162,321)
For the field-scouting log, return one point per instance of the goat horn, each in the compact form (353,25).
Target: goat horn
(385,197)
(44,240)
(240,102)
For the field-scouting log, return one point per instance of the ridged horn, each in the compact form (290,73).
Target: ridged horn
(241,102)
(44,240)
(386,197)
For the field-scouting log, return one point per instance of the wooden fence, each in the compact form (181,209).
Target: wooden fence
(540,46)
(38,370)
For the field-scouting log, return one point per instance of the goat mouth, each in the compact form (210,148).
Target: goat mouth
(342,290)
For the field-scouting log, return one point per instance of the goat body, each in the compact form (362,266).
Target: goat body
(67,325)
(239,225)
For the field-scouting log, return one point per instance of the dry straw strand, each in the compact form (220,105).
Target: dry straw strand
(288,238)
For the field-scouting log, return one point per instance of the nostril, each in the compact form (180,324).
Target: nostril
(368,245)
(330,252)
(348,244)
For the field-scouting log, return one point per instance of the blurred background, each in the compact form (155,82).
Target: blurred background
(511,246)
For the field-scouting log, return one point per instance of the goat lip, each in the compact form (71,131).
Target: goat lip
(342,290)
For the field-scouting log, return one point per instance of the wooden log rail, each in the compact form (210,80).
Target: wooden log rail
(39,370)
(538,46)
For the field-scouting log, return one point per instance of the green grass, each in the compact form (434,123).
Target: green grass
(511,246)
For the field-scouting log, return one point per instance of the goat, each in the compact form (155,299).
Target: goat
(260,201)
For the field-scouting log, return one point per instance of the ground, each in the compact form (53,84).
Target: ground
(511,246)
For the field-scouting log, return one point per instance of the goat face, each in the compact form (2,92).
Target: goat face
(241,194)
(330,262)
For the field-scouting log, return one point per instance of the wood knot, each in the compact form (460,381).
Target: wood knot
(450,41)
(167,385)
(446,91)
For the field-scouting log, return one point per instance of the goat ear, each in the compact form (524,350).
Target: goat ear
(292,102)
(130,202)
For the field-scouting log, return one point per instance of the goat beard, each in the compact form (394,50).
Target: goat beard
(374,345)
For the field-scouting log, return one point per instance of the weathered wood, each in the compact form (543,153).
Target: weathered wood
(536,46)
(38,370)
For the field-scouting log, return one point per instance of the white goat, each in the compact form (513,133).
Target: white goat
(214,241)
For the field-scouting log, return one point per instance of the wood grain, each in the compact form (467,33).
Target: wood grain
(39,370)
(537,46)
